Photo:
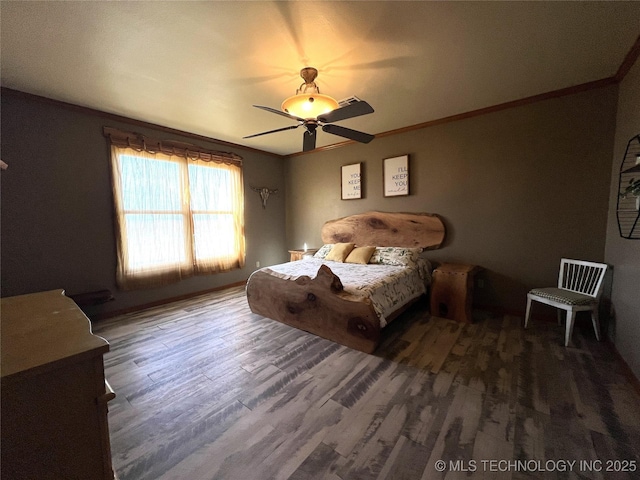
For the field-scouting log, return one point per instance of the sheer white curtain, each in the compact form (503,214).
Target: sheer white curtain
(217,216)
(175,216)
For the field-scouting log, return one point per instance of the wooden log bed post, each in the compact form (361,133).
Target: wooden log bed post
(318,305)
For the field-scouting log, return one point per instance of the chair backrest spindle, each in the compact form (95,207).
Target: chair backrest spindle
(582,277)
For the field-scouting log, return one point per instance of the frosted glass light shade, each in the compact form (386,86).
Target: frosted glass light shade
(309,105)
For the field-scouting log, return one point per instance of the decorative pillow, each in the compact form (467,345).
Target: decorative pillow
(322,252)
(339,252)
(398,256)
(360,255)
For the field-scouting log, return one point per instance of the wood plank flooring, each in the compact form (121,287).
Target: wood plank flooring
(208,390)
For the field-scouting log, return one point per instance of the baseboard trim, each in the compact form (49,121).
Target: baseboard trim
(628,372)
(164,301)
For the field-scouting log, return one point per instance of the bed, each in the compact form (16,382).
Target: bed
(351,303)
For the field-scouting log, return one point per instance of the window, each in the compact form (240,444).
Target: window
(176,215)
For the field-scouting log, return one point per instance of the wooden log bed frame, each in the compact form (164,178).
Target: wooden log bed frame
(320,305)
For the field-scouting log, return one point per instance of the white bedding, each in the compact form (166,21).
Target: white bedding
(388,286)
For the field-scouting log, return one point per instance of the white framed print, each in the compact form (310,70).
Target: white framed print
(396,176)
(351,181)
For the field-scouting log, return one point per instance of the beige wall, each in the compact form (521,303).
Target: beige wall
(624,254)
(518,189)
(57,211)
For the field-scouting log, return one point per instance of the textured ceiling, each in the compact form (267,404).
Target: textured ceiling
(200,66)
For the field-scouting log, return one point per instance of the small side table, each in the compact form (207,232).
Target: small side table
(452,291)
(300,254)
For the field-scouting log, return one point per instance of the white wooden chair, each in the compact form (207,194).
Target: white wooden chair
(579,288)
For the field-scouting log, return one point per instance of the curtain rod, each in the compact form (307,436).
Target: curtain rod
(141,142)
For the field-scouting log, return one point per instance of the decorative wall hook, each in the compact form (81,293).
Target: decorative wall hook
(264,194)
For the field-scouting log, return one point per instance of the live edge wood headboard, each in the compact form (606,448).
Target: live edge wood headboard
(383,229)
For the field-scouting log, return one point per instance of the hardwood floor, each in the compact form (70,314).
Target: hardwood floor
(208,390)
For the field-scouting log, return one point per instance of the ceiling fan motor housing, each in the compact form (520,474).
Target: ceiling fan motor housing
(308,74)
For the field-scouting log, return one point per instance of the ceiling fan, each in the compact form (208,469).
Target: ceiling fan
(311,109)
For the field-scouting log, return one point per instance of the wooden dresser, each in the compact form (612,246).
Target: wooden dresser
(54,395)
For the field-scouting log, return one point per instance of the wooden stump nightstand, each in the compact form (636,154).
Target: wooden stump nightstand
(299,254)
(452,291)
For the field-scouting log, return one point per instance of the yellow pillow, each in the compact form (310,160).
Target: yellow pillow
(360,255)
(339,252)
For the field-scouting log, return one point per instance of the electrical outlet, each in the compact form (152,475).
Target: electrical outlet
(257,264)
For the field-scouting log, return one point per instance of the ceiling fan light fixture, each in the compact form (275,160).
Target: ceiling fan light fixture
(308,102)
(309,105)
(311,109)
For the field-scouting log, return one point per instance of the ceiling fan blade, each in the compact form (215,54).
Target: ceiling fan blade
(348,133)
(350,111)
(309,141)
(272,131)
(280,112)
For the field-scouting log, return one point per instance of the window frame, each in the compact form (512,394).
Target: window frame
(129,276)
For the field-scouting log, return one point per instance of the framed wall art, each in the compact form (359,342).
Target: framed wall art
(396,176)
(351,181)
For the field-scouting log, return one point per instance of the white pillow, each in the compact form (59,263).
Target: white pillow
(398,256)
(323,251)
